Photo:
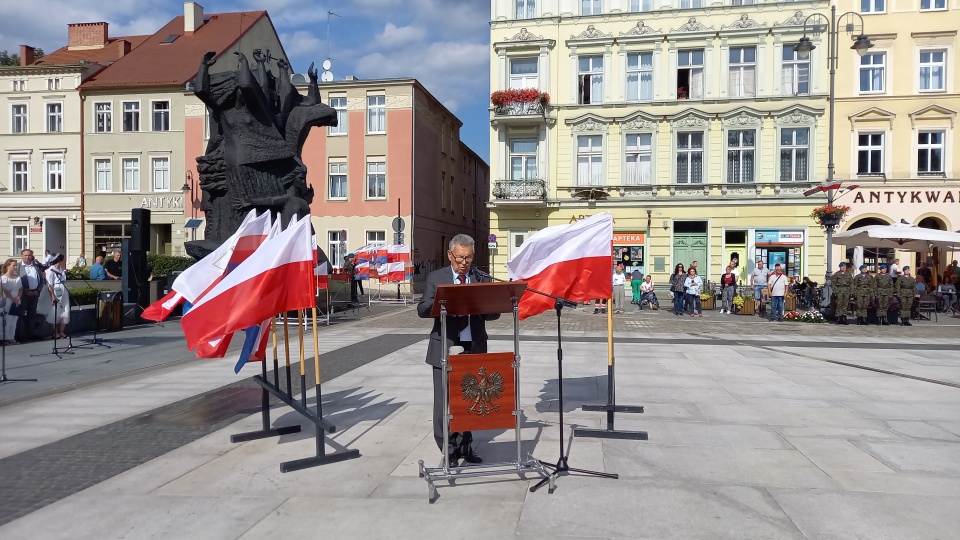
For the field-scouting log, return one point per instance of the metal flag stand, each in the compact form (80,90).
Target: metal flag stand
(3,350)
(521,465)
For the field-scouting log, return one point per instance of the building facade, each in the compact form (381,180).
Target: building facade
(396,152)
(694,123)
(896,115)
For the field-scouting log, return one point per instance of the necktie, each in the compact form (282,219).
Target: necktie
(464,321)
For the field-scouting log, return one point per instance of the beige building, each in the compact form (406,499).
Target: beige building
(896,121)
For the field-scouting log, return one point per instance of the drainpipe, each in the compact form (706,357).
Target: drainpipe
(83,168)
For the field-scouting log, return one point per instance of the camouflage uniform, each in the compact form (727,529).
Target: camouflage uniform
(906,288)
(885,289)
(842,287)
(864,288)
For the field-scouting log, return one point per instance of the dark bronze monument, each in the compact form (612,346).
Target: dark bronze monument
(258,124)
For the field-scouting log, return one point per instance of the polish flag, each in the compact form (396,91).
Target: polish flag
(572,261)
(278,277)
(322,276)
(161,309)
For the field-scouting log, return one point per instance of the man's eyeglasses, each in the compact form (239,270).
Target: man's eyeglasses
(461,260)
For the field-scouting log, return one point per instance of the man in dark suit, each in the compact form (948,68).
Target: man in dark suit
(34,282)
(467,332)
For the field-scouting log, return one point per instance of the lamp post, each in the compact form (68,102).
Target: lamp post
(188,187)
(803,48)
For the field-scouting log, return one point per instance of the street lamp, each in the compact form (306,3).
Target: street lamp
(803,48)
(188,188)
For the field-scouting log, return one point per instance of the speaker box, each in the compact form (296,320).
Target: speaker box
(140,229)
(134,284)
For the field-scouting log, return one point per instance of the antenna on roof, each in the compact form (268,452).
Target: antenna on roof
(329,13)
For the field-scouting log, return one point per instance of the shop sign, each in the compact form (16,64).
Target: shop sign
(628,238)
(769,237)
(576,218)
(36,229)
(906,197)
(162,202)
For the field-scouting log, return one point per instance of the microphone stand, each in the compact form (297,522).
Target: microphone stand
(562,466)
(3,352)
(95,341)
(56,306)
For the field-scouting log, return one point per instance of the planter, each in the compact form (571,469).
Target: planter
(749,308)
(710,303)
(831,220)
(790,303)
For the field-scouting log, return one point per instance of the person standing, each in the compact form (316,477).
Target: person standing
(777,285)
(350,268)
(55,304)
(864,289)
(906,290)
(926,273)
(635,279)
(11,290)
(842,285)
(81,262)
(694,286)
(759,279)
(885,290)
(97,272)
(113,268)
(468,332)
(619,281)
(31,278)
(728,288)
(895,269)
(677,288)
(647,293)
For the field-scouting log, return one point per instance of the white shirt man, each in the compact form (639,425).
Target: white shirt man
(895,269)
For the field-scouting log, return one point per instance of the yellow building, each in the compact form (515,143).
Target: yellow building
(694,123)
(896,114)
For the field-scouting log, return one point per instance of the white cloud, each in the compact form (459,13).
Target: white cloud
(394,36)
(303,43)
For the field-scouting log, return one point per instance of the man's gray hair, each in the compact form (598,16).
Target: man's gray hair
(463,240)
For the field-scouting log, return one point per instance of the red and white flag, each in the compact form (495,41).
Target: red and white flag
(278,277)
(572,261)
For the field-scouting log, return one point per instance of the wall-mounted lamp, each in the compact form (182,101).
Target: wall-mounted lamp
(36,221)
(666,224)
(188,182)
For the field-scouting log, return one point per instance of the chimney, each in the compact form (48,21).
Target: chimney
(122,48)
(87,35)
(192,16)
(27,55)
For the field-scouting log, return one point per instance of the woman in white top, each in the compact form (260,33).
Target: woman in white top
(10,300)
(647,295)
(693,285)
(55,305)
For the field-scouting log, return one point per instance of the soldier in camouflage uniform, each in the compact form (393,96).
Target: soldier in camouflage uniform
(842,287)
(885,289)
(906,289)
(865,289)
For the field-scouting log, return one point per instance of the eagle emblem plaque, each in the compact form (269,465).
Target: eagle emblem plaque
(482,391)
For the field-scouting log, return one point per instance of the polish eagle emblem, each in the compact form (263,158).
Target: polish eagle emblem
(481,390)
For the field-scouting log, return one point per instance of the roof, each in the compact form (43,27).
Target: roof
(105,55)
(155,63)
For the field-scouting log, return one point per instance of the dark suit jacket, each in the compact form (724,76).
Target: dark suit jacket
(478,330)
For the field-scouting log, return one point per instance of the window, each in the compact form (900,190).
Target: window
(104,113)
(21,175)
(161,173)
(451,193)
(590,7)
(54,174)
(20,239)
(590,80)
(337,247)
(54,117)
(338,181)
(870,153)
(526,9)
(932,65)
(794,152)
(639,154)
(131,116)
(872,72)
(590,160)
(640,76)
(18,85)
(930,152)
(376,238)
(872,6)
(53,83)
(523,73)
(743,2)
(161,116)
(18,118)
(443,190)
(795,77)
(926,5)
(523,159)
(103,169)
(376,114)
(339,105)
(690,158)
(690,74)
(376,180)
(743,71)
(688,4)
(741,145)
(131,174)
(641,5)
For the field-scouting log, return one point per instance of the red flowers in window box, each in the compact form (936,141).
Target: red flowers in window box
(501,98)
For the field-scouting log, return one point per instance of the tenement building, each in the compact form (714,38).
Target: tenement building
(694,122)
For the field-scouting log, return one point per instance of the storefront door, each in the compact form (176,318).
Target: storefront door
(688,248)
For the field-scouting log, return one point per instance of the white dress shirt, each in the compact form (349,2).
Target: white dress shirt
(619,279)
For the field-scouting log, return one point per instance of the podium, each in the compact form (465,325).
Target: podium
(481,391)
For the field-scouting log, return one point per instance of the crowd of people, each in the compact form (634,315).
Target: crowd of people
(32,289)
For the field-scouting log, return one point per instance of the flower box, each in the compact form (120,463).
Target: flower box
(790,303)
(748,307)
(708,303)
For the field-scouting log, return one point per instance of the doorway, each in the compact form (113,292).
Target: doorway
(690,244)
(517,239)
(55,236)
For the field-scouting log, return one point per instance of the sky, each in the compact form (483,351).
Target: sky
(445,44)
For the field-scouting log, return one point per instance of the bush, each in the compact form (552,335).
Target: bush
(78,273)
(164,265)
(85,296)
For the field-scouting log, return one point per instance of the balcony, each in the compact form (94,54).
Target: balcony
(520,106)
(519,109)
(520,192)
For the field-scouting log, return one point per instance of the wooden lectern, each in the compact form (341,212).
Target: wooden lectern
(483,391)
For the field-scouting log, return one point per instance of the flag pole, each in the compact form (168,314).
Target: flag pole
(276,357)
(286,350)
(611,398)
(303,372)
